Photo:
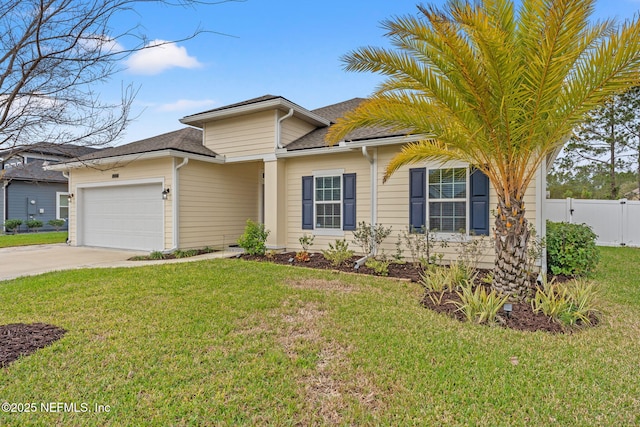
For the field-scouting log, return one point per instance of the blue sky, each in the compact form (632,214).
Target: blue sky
(279,47)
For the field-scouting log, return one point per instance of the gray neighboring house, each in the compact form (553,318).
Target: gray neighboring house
(28,191)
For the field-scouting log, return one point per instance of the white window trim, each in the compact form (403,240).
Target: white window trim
(447,235)
(337,232)
(58,194)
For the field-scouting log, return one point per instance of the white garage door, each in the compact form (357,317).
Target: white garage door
(125,217)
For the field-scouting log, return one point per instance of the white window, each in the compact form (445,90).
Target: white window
(62,206)
(328,202)
(447,207)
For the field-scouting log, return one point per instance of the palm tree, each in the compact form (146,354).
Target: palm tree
(499,87)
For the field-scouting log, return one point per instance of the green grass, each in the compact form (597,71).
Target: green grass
(230,342)
(26,239)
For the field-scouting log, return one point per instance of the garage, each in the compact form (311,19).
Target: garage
(122,216)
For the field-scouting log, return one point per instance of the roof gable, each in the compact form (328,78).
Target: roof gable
(254,105)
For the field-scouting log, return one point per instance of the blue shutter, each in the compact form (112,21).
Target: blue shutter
(417,198)
(479,199)
(307,203)
(349,201)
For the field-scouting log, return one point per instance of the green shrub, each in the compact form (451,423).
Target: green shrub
(155,255)
(57,224)
(34,224)
(478,305)
(571,249)
(379,266)
(339,253)
(13,225)
(254,238)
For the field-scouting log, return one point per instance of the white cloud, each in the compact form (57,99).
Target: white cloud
(187,104)
(160,55)
(106,44)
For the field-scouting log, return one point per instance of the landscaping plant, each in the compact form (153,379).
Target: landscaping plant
(306,241)
(421,243)
(338,253)
(437,281)
(13,225)
(571,249)
(34,224)
(380,265)
(254,238)
(479,306)
(568,303)
(57,224)
(370,237)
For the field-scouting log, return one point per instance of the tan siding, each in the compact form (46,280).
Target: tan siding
(299,167)
(215,202)
(393,207)
(247,135)
(293,128)
(138,170)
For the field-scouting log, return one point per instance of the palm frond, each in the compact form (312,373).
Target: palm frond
(491,85)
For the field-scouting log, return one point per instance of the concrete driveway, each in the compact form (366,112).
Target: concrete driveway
(31,260)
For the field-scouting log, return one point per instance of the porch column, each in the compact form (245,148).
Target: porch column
(275,203)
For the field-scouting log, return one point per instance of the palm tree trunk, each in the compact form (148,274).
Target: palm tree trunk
(510,275)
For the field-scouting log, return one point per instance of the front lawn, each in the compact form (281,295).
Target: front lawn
(228,342)
(26,239)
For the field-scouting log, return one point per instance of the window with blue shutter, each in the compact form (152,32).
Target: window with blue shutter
(417,199)
(329,202)
(349,201)
(479,200)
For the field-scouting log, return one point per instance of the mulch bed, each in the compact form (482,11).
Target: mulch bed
(521,318)
(19,339)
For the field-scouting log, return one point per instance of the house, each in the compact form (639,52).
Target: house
(28,191)
(266,159)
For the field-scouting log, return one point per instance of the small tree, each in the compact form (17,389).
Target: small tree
(52,55)
(369,237)
(34,224)
(13,225)
(57,224)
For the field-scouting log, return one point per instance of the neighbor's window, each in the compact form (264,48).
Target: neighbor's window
(448,199)
(63,206)
(328,204)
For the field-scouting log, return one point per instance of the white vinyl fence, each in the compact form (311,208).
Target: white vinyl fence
(616,222)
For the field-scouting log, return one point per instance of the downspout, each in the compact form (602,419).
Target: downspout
(5,184)
(175,206)
(278,131)
(66,175)
(373,162)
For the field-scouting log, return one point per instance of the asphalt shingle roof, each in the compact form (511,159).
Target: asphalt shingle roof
(188,140)
(316,138)
(32,171)
(60,150)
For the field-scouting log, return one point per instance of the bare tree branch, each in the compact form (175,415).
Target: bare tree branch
(53,53)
